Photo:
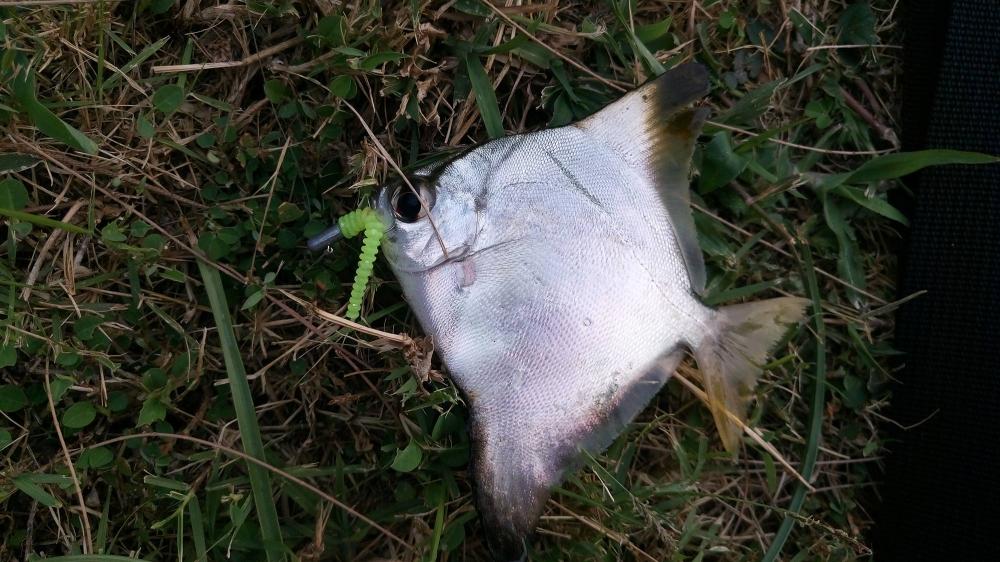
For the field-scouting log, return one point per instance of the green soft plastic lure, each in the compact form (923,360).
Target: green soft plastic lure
(362,220)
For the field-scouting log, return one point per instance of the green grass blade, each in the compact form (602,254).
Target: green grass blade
(816,412)
(93,558)
(46,121)
(891,166)
(42,221)
(246,415)
(101,536)
(131,65)
(197,529)
(486,98)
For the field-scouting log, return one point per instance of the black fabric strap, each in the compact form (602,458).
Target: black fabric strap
(941,485)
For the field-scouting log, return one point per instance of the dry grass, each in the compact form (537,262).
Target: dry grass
(263,149)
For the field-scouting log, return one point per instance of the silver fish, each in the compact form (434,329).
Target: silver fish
(559,275)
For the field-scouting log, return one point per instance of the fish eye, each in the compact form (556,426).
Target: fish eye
(406,204)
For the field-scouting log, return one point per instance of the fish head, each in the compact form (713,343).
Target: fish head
(432,217)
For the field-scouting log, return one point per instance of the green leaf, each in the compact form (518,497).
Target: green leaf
(371,62)
(720,164)
(59,387)
(854,392)
(15,162)
(8,355)
(168,98)
(84,327)
(13,195)
(12,398)
(26,485)
(117,400)
(5,439)
(152,411)
(205,140)
(752,105)
(96,458)
(113,233)
(276,91)
(857,25)
(145,127)
(408,459)
(46,121)
(343,87)
(166,483)
(172,274)
(472,7)
(330,30)
(486,99)
(874,204)
(246,413)
(131,65)
(253,299)
(288,211)
(42,221)
(849,265)
(158,7)
(93,557)
(154,378)
(727,19)
(79,415)
(897,165)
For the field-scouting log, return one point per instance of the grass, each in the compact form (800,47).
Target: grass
(164,161)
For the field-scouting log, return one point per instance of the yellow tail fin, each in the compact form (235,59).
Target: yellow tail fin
(731,359)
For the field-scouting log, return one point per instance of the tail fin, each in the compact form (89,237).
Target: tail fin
(731,361)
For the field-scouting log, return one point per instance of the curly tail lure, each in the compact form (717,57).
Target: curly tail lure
(362,220)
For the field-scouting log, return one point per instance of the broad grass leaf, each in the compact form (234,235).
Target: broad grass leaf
(16,162)
(46,121)
(752,105)
(42,221)
(849,264)
(26,485)
(371,62)
(874,204)
(899,164)
(486,99)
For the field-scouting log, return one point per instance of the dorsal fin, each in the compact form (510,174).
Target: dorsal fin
(654,130)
